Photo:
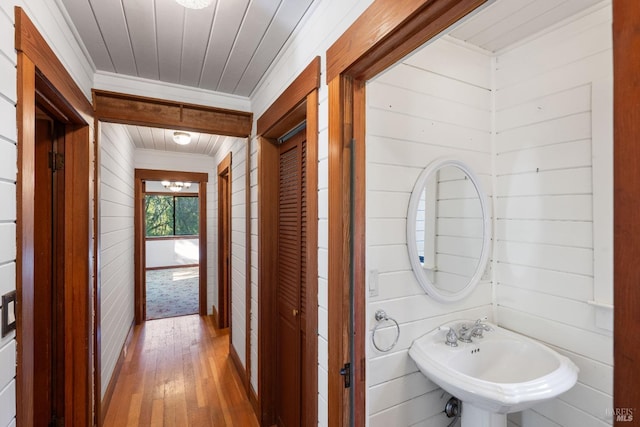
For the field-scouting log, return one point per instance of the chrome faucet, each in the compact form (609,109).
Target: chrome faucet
(468,330)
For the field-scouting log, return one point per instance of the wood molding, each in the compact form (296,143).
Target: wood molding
(40,72)
(299,102)
(224,203)
(267,273)
(214,315)
(97,269)
(295,93)
(143,111)
(388,30)
(626,68)
(248,264)
(178,237)
(255,403)
(108,394)
(237,363)
(171,267)
(29,41)
(140,176)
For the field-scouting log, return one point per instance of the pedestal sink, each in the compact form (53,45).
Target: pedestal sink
(499,373)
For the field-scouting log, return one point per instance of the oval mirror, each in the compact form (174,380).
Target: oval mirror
(448,230)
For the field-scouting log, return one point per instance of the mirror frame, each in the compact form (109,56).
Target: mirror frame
(428,286)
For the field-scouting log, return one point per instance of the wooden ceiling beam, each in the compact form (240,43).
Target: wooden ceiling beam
(142,111)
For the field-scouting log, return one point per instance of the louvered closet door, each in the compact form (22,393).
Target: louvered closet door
(291,280)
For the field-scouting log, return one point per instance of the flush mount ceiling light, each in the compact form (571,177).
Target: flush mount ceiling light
(194,4)
(175,185)
(182,138)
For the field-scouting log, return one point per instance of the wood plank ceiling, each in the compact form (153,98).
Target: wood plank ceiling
(225,47)
(508,22)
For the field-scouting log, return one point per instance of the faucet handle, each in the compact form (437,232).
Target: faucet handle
(451,339)
(481,320)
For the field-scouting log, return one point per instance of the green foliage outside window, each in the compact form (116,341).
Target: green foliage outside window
(171,215)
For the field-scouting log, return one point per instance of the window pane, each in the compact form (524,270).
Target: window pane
(159,215)
(187,216)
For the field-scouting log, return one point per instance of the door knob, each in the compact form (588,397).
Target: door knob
(294,312)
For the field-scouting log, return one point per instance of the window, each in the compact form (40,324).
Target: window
(171,215)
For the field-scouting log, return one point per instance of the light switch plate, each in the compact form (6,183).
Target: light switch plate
(8,313)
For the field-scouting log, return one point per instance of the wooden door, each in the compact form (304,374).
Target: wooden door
(291,286)
(49,274)
(224,243)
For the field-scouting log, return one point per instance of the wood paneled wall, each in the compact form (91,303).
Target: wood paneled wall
(116,244)
(420,110)
(553,119)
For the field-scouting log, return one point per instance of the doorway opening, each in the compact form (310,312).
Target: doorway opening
(170,244)
(172,222)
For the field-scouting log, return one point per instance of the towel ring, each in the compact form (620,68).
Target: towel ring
(380,317)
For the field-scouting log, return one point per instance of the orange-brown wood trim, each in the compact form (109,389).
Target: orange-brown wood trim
(36,61)
(97,230)
(295,111)
(29,41)
(248,264)
(224,283)
(267,274)
(142,175)
(237,363)
(253,399)
(202,243)
(178,237)
(25,256)
(77,270)
(172,267)
(143,111)
(296,92)
(626,68)
(389,30)
(340,216)
(108,394)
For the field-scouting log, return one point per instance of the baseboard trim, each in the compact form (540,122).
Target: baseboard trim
(242,373)
(108,394)
(172,267)
(214,315)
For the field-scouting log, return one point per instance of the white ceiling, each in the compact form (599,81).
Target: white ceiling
(507,22)
(226,47)
(162,139)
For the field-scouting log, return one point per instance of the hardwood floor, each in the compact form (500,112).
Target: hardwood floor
(178,373)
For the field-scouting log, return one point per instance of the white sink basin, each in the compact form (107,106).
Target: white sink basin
(500,373)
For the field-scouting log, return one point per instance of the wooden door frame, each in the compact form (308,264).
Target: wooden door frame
(223,319)
(142,175)
(297,103)
(385,32)
(626,240)
(38,67)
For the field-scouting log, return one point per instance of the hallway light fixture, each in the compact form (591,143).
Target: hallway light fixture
(194,4)
(181,138)
(175,186)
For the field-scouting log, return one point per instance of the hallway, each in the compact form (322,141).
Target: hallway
(177,372)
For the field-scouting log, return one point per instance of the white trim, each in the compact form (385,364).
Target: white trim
(424,281)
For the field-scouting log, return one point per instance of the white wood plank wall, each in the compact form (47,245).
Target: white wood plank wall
(544,207)
(116,244)
(8,171)
(435,103)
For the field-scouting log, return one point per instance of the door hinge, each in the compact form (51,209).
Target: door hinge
(346,374)
(56,161)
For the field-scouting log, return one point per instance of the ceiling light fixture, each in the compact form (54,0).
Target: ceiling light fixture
(175,186)
(194,4)
(182,138)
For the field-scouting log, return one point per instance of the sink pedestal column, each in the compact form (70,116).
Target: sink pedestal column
(473,416)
